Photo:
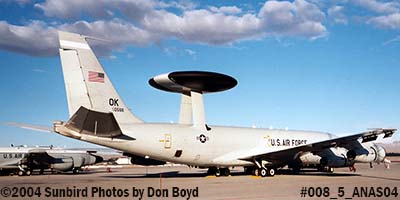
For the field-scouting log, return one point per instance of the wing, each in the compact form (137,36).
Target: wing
(346,142)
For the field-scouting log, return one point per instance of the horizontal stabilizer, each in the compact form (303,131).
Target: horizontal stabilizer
(95,123)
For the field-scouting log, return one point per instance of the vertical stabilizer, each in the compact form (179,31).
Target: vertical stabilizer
(86,82)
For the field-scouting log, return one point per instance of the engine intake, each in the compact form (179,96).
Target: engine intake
(372,153)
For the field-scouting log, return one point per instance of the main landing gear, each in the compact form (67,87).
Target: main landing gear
(213,171)
(75,170)
(24,173)
(263,171)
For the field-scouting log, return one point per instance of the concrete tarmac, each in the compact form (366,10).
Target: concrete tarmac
(180,182)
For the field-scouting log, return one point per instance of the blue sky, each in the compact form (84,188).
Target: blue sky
(311,65)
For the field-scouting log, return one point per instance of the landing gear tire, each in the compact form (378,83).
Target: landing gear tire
(20,173)
(217,172)
(256,172)
(263,172)
(271,171)
(213,171)
(225,171)
(75,171)
(28,172)
(330,170)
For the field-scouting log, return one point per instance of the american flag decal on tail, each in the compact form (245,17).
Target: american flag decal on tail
(96,77)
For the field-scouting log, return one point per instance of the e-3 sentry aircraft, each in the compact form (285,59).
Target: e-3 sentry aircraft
(98,115)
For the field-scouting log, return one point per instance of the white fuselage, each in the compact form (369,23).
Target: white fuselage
(11,156)
(221,146)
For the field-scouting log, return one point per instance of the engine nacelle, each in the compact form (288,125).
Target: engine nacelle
(369,153)
(63,164)
(336,161)
(309,159)
(138,160)
(341,157)
(89,159)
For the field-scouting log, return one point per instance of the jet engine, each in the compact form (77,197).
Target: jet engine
(341,157)
(63,164)
(367,154)
(89,159)
(336,161)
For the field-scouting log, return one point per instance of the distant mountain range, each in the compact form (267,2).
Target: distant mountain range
(392,149)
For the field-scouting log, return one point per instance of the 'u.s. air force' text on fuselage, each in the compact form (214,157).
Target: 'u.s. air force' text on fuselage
(276,142)
(13,155)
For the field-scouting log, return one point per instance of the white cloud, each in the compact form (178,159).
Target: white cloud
(297,18)
(336,14)
(71,8)
(143,22)
(226,9)
(38,39)
(34,38)
(211,26)
(203,26)
(389,13)
(100,9)
(379,7)
(118,33)
(391,21)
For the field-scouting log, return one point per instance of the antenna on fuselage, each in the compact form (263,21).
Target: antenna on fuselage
(192,85)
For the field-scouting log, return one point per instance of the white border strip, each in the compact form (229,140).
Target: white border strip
(78,45)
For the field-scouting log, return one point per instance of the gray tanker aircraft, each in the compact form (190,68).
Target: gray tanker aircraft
(23,160)
(98,115)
